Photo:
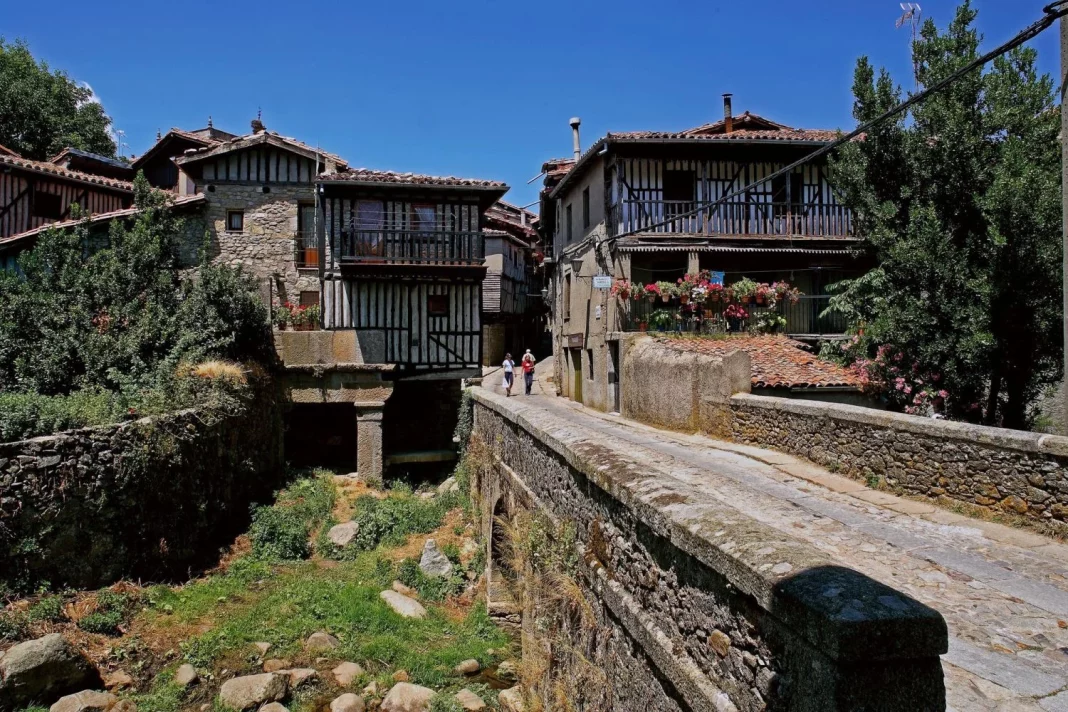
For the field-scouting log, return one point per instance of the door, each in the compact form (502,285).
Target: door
(307,242)
(613,375)
(576,374)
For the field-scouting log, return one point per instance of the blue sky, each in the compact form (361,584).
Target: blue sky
(477,89)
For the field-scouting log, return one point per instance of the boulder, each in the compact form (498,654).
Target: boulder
(468,667)
(401,676)
(85,701)
(402,605)
(242,693)
(274,707)
(299,676)
(262,646)
(347,703)
(185,675)
(276,664)
(43,670)
(449,485)
(343,534)
(433,562)
(507,671)
(511,700)
(470,701)
(118,680)
(404,590)
(321,641)
(406,697)
(347,673)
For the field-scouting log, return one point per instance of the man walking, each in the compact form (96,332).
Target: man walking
(528,370)
(509,374)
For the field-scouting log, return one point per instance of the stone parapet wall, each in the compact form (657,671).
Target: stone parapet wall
(1020,472)
(144,499)
(705,608)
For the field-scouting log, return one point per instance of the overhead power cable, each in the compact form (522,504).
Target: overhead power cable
(1051,13)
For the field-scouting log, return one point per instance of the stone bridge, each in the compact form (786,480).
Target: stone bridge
(721,576)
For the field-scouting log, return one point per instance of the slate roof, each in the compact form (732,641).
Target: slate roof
(367,175)
(777,361)
(71,151)
(52,169)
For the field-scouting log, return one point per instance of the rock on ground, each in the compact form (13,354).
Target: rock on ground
(401,604)
(470,701)
(347,703)
(275,665)
(511,700)
(404,590)
(43,670)
(321,641)
(449,485)
(406,697)
(343,534)
(468,667)
(85,701)
(262,646)
(118,680)
(242,693)
(299,676)
(507,671)
(185,675)
(274,707)
(434,562)
(347,673)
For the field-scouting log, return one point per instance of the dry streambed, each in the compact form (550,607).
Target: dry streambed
(339,598)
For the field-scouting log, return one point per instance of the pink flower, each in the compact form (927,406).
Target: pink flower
(943,394)
(908,389)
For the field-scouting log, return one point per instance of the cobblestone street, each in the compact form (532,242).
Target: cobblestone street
(1002,591)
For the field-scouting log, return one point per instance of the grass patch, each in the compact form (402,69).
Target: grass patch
(430,588)
(113,609)
(391,520)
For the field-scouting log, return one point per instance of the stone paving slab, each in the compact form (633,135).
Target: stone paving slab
(1002,591)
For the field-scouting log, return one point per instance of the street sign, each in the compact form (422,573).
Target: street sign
(715,278)
(575,341)
(602,281)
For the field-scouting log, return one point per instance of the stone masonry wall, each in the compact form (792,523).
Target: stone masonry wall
(1015,471)
(267,245)
(707,609)
(144,499)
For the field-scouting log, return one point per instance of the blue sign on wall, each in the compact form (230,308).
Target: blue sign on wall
(715,277)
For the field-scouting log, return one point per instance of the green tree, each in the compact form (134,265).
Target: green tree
(960,203)
(43,111)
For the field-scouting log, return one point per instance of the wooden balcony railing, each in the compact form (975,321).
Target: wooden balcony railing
(733,218)
(412,247)
(804,317)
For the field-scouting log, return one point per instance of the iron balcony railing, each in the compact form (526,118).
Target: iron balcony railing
(733,218)
(412,247)
(803,317)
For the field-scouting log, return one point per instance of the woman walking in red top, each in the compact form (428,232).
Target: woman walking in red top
(528,370)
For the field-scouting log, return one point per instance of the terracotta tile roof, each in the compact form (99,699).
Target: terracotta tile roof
(555,167)
(94,219)
(366,175)
(778,362)
(60,172)
(5,151)
(240,142)
(745,127)
(509,218)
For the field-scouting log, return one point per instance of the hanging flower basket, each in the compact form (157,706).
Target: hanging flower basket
(685,298)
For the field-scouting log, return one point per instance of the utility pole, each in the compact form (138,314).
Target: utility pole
(1064,218)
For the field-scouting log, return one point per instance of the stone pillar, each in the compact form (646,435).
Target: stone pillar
(693,262)
(369,442)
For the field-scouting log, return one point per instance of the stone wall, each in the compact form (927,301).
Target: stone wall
(145,499)
(1021,472)
(267,246)
(703,607)
(678,389)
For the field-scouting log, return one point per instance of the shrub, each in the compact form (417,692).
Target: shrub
(112,610)
(49,609)
(13,626)
(282,530)
(392,519)
(430,588)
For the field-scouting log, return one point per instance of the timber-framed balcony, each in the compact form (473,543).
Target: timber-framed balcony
(733,219)
(411,247)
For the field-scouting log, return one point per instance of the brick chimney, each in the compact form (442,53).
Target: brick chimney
(728,115)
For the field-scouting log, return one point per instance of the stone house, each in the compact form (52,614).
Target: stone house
(634,207)
(511,292)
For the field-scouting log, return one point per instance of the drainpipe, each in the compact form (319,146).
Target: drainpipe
(575,122)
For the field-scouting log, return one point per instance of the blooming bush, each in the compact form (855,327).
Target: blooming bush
(904,385)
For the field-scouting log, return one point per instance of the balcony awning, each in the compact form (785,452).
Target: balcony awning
(690,247)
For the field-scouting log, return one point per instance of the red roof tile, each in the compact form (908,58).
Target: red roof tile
(509,218)
(777,362)
(60,172)
(366,175)
(745,127)
(239,142)
(5,151)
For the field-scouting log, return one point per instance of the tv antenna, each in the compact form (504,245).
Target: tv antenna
(910,14)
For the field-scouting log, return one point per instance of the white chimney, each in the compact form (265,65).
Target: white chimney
(575,123)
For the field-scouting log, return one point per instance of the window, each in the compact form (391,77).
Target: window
(586,208)
(567,297)
(679,186)
(437,305)
(365,229)
(47,205)
(424,216)
(570,234)
(235,220)
(309,299)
